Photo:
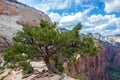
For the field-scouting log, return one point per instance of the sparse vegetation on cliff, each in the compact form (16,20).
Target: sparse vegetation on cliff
(48,43)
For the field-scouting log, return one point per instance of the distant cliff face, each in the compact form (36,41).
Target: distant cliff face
(113,38)
(92,66)
(14,15)
(104,66)
(97,36)
(117,59)
(113,61)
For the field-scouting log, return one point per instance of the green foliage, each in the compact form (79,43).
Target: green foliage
(45,41)
(27,68)
(16,57)
(12,66)
(57,63)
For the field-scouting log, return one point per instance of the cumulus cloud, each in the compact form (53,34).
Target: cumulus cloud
(69,20)
(107,24)
(55,17)
(81,1)
(95,23)
(47,5)
(112,5)
(78,1)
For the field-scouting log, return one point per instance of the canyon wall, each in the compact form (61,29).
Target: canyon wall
(104,66)
(92,66)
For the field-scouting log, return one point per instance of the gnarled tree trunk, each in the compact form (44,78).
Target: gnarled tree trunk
(51,67)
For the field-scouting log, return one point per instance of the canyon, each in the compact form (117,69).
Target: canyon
(104,66)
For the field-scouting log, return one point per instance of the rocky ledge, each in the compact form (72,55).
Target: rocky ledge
(40,73)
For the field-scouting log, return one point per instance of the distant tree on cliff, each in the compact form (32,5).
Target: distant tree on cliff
(48,43)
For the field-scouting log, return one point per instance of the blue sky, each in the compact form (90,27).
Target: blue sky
(96,16)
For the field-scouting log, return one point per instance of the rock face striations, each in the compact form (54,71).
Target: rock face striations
(113,62)
(104,66)
(114,39)
(92,66)
(14,15)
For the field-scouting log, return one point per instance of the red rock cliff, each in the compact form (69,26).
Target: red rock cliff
(7,9)
(95,67)
(92,67)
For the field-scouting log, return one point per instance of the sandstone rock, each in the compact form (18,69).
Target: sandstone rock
(9,27)
(113,38)
(3,44)
(7,9)
(5,73)
(39,66)
(29,15)
(97,36)
(17,75)
(55,77)
(2,6)
(14,75)
(14,15)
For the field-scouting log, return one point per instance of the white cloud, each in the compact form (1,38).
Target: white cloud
(42,7)
(78,1)
(107,24)
(54,16)
(81,1)
(69,20)
(47,5)
(112,5)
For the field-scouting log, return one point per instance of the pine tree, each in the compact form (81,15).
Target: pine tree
(47,41)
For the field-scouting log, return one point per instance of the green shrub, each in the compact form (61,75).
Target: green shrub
(27,68)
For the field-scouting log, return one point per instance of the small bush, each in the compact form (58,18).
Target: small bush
(27,68)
